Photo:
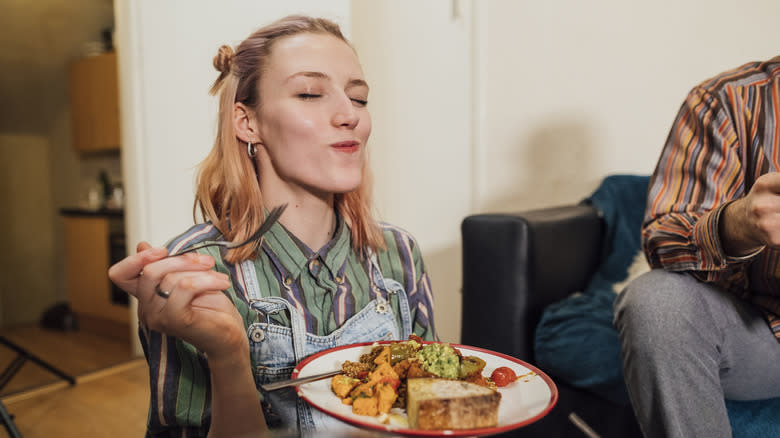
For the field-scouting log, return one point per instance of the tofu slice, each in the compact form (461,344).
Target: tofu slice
(438,404)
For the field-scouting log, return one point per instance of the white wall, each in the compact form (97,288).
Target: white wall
(571,91)
(563,93)
(165,50)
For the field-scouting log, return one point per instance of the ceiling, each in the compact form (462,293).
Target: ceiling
(39,39)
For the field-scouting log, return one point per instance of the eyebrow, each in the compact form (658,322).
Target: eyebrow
(321,75)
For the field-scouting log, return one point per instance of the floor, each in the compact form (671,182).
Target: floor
(75,353)
(107,403)
(110,397)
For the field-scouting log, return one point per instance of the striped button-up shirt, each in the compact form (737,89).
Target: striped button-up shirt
(327,286)
(725,136)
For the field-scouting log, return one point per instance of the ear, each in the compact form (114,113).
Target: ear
(245,123)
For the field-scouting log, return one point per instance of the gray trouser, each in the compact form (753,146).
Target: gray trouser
(686,346)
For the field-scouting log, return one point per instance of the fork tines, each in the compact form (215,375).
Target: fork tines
(269,221)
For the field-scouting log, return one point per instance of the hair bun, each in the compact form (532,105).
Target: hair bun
(223,59)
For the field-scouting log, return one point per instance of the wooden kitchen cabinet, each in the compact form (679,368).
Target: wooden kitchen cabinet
(88,249)
(94,97)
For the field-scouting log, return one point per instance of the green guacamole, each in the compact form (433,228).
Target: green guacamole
(439,359)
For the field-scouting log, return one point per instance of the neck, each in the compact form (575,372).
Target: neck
(310,215)
(310,220)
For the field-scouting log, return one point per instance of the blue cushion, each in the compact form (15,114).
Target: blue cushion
(758,418)
(621,201)
(575,340)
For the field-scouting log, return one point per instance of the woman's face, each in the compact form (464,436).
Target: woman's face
(313,120)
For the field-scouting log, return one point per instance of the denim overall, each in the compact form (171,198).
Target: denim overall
(276,349)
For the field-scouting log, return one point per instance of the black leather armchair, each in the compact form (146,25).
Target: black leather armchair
(513,266)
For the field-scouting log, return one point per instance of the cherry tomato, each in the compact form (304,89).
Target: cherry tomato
(503,376)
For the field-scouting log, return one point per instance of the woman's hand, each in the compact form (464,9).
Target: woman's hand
(126,272)
(197,310)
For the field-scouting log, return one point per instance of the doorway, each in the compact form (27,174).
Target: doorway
(41,175)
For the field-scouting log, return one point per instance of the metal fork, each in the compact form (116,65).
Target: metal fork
(298,381)
(272,217)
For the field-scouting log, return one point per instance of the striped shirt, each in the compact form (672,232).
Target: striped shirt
(726,135)
(328,287)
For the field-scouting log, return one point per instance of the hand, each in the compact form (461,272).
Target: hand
(126,272)
(197,311)
(753,221)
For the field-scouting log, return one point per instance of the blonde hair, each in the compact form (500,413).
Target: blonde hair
(228,192)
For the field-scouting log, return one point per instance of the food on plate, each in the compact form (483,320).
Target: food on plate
(440,359)
(342,385)
(380,379)
(373,396)
(436,404)
(503,376)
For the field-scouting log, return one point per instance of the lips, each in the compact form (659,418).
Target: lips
(346,146)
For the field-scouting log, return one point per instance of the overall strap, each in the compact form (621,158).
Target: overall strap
(265,305)
(392,287)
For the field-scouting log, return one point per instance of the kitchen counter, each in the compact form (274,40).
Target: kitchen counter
(103,212)
(94,240)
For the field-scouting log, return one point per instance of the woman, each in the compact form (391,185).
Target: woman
(293,128)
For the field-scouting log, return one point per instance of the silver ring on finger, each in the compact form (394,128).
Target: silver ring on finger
(163,293)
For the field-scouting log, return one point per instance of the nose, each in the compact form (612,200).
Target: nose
(345,114)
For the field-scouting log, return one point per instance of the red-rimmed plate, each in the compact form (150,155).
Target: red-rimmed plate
(523,402)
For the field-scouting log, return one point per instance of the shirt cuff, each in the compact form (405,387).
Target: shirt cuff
(707,236)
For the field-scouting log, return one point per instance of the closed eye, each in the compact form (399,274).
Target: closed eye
(360,102)
(309,96)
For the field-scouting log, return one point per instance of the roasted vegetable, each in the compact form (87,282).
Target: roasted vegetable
(342,385)
(469,366)
(401,351)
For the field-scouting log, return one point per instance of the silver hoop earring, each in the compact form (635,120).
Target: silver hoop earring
(251,149)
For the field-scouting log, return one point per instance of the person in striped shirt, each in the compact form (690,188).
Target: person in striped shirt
(293,127)
(702,326)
